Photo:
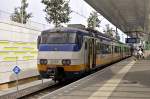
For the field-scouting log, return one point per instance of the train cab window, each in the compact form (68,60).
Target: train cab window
(38,41)
(79,40)
(58,38)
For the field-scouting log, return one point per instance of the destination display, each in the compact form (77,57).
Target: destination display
(132,40)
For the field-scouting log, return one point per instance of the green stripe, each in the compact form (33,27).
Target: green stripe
(10,48)
(4,43)
(10,58)
(20,53)
(28,49)
(3,53)
(28,57)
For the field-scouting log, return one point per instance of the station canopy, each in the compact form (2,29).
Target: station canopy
(131,16)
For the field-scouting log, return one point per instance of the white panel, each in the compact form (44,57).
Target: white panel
(11,76)
(5,35)
(13,32)
(28,69)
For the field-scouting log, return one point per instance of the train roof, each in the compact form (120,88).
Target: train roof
(90,32)
(85,31)
(65,29)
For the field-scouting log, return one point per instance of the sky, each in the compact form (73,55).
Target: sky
(36,7)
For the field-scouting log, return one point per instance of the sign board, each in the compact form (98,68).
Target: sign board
(132,40)
(16,70)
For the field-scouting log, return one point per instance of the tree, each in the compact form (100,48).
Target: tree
(93,20)
(57,11)
(20,15)
(108,31)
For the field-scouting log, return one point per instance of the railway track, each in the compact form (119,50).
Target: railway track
(53,87)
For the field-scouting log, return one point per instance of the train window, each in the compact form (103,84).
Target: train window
(58,38)
(85,45)
(44,39)
(105,49)
(108,47)
(38,41)
(97,47)
(101,47)
(79,39)
(119,49)
(125,49)
(116,50)
(112,49)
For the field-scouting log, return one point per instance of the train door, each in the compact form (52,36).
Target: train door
(94,53)
(86,51)
(91,53)
(112,52)
(121,52)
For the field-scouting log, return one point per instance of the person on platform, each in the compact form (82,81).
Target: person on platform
(140,53)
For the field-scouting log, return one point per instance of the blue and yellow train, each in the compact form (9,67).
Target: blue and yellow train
(66,53)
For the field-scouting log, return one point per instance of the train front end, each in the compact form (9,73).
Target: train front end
(60,55)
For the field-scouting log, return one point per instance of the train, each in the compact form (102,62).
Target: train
(67,52)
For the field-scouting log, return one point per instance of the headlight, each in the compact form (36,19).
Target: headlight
(66,61)
(43,61)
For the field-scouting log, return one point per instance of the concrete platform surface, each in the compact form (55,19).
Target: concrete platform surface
(25,89)
(128,79)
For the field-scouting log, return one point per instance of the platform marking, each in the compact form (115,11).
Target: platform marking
(116,79)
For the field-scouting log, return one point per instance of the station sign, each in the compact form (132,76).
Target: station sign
(132,40)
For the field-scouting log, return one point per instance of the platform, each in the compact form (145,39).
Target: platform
(25,89)
(128,79)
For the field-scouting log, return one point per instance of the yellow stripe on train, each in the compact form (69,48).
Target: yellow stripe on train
(66,68)
(109,58)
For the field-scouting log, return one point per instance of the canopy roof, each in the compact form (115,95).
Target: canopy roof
(128,15)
